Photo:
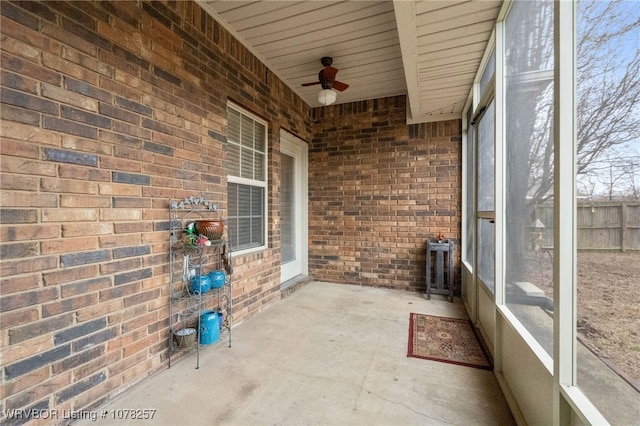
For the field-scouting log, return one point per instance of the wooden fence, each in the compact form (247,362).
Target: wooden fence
(602,225)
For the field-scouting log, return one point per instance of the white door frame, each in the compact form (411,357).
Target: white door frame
(298,149)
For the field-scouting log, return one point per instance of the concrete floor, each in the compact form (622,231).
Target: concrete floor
(326,355)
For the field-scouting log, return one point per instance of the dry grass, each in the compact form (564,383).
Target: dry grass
(608,303)
(609,306)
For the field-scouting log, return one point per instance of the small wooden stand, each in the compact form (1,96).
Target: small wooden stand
(440,249)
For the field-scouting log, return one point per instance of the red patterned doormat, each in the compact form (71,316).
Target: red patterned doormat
(450,340)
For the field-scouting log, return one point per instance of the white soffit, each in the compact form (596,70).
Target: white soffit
(427,50)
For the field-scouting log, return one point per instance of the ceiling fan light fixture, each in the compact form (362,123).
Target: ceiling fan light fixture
(327,96)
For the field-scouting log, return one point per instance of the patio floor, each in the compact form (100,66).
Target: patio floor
(328,354)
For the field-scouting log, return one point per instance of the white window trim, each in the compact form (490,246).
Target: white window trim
(570,397)
(467,185)
(569,400)
(253,182)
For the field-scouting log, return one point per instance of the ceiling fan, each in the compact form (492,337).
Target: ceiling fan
(327,77)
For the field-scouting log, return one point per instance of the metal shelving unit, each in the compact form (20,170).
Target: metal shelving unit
(186,261)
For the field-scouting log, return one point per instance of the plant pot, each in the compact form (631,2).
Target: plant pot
(185,337)
(218,278)
(209,327)
(200,284)
(212,229)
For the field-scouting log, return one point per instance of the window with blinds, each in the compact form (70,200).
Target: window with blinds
(246,180)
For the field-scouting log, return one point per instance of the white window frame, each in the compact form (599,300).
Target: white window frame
(483,101)
(468,181)
(253,182)
(501,144)
(569,402)
(565,238)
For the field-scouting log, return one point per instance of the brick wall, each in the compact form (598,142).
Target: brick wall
(379,188)
(110,109)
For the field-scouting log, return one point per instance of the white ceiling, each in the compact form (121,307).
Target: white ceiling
(428,50)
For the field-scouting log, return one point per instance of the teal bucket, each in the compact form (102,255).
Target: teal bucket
(209,327)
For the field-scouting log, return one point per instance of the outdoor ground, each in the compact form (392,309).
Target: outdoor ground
(608,304)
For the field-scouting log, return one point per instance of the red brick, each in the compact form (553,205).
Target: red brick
(80,229)
(77,201)
(18,182)
(66,96)
(132,130)
(19,82)
(67,186)
(20,49)
(28,199)
(97,395)
(29,36)
(84,145)
(119,240)
(86,61)
(70,171)
(25,349)
(13,319)
(126,363)
(24,382)
(95,365)
(119,215)
(69,275)
(140,345)
(134,153)
(70,39)
(119,291)
(153,192)
(69,68)
(19,250)
(120,139)
(118,88)
(12,147)
(139,322)
(29,232)
(69,215)
(42,389)
(126,228)
(15,267)
(119,266)
(27,166)
(163,59)
(120,164)
(68,305)
(69,245)
(100,309)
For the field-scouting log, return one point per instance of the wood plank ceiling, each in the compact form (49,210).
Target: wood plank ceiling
(427,50)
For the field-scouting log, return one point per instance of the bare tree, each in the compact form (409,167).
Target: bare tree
(612,175)
(529,122)
(608,103)
(608,107)
(631,170)
(608,95)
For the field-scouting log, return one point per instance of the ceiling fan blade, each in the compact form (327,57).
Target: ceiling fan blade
(327,77)
(340,86)
(329,73)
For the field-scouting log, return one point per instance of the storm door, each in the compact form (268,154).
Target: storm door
(293,206)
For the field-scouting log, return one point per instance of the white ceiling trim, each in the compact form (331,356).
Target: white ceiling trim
(405,12)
